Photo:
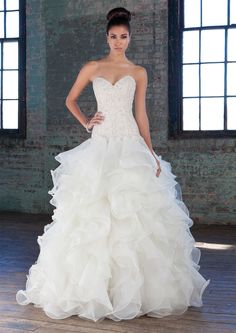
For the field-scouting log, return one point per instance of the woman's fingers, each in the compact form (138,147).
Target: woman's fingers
(96,119)
(158,170)
(98,115)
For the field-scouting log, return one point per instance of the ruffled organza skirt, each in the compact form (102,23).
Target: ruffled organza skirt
(119,245)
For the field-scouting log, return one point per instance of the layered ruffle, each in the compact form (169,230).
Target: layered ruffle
(119,245)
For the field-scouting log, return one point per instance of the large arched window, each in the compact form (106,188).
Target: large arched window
(12,68)
(202,68)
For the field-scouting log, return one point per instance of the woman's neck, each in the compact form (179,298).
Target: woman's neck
(117,58)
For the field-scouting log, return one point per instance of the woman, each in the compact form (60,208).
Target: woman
(119,245)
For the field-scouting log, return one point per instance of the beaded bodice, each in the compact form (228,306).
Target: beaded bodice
(115,102)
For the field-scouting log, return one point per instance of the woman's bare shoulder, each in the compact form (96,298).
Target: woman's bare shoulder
(140,70)
(90,67)
(91,64)
(96,62)
(140,73)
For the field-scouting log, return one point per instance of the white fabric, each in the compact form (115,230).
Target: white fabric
(119,245)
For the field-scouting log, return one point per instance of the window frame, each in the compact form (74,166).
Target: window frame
(175,95)
(19,132)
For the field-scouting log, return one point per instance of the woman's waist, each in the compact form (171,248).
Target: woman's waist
(120,125)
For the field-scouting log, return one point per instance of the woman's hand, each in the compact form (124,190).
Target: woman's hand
(96,119)
(159,167)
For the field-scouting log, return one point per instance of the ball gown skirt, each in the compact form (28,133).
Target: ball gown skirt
(119,245)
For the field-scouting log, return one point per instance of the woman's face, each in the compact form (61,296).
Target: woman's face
(118,38)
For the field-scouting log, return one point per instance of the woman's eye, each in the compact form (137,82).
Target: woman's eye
(123,37)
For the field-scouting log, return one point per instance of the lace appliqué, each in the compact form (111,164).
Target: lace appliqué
(115,102)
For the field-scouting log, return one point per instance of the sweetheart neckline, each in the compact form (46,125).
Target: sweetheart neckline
(113,85)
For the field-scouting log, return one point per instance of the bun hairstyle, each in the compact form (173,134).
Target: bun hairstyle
(118,16)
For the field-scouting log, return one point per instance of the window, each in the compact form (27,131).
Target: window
(202,68)
(12,68)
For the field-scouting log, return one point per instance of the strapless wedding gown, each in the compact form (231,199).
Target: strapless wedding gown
(119,245)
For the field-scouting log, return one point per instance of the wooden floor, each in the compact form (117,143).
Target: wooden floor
(19,249)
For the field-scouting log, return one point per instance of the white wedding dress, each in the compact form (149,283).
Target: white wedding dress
(119,245)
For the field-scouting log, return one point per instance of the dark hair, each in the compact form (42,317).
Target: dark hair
(118,16)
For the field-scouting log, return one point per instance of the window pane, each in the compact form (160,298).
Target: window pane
(12,4)
(231,115)
(233,11)
(190,80)
(212,79)
(1,4)
(212,45)
(231,79)
(12,24)
(212,113)
(10,55)
(191,13)
(10,84)
(190,46)
(214,12)
(1,25)
(232,45)
(10,114)
(190,114)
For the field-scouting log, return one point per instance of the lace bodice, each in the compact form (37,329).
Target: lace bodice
(115,102)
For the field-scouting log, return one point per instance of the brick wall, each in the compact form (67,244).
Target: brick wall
(61,37)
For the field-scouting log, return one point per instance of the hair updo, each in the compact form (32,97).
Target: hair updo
(118,16)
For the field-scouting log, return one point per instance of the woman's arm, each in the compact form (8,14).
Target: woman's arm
(140,106)
(140,109)
(82,80)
